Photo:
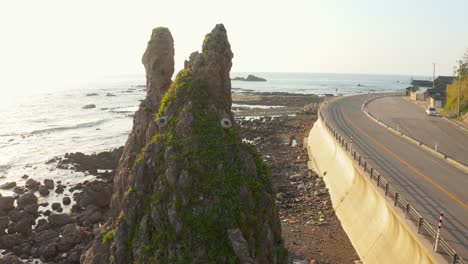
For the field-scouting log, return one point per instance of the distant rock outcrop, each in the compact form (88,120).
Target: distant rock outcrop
(187,190)
(89,106)
(250,78)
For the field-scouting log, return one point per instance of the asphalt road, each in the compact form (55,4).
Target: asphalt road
(430,184)
(411,119)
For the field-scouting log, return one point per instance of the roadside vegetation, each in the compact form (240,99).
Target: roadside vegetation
(452,89)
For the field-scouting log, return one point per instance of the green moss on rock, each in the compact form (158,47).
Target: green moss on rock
(214,158)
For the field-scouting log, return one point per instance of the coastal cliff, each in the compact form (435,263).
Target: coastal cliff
(187,190)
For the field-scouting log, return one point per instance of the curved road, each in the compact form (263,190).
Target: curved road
(430,184)
(411,119)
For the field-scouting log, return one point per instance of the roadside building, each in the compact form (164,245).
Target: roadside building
(437,96)
(418,94)
(417,89)
(421,83)
(441,82)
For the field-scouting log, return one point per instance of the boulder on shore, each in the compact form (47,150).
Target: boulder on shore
(32,184)
(8,185)
(7,203)
(27,199)
(59,219)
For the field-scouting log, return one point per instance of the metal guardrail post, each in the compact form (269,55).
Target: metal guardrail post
(420,224)
(455,258)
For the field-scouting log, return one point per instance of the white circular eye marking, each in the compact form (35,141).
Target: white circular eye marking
(162,121)
(226,123)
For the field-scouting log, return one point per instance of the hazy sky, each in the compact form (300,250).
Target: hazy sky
(43,41)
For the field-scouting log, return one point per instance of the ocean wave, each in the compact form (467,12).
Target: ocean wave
(62,128)
(5,168)
(9,134)
(124,110)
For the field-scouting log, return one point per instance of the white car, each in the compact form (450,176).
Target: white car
(431,111)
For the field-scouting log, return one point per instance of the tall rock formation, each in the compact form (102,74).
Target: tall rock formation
(187,189)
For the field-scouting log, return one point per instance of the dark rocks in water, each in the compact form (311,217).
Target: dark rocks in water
(78,186)
(27,199)
(106,160)
(7,203)
(92,94)
(49,183)
(8,185)
(32,184)
(110,94)
(55,206)
(89,106)
(71,236)
(59,219)
(66,200)
(90,215)
(95,193)
(19,190)
(43,191)
(45,235)
(32,209)
(250,78)
(41,225)
(60,188)
(25,176)
(188,190)
(23,226)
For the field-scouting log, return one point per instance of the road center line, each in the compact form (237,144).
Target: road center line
(435,184)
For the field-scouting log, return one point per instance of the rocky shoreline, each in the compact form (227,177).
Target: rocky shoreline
(310,227)
(311,230)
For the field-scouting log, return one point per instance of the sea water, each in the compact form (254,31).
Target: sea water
(46,123)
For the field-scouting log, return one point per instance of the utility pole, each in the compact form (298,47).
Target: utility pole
(433,75)
(459,86)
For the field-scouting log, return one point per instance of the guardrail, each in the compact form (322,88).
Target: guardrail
(460,164)
(424,228)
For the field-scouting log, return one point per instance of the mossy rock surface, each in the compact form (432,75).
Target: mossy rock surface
(194,192)
(206,183)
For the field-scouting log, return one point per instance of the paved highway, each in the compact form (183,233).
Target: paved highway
(411,119)
(429,183)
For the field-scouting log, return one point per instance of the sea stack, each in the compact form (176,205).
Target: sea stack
(187,190)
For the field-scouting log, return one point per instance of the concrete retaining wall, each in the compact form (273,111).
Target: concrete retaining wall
(375,229)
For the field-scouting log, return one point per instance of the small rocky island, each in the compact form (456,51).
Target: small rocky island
(250,78)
